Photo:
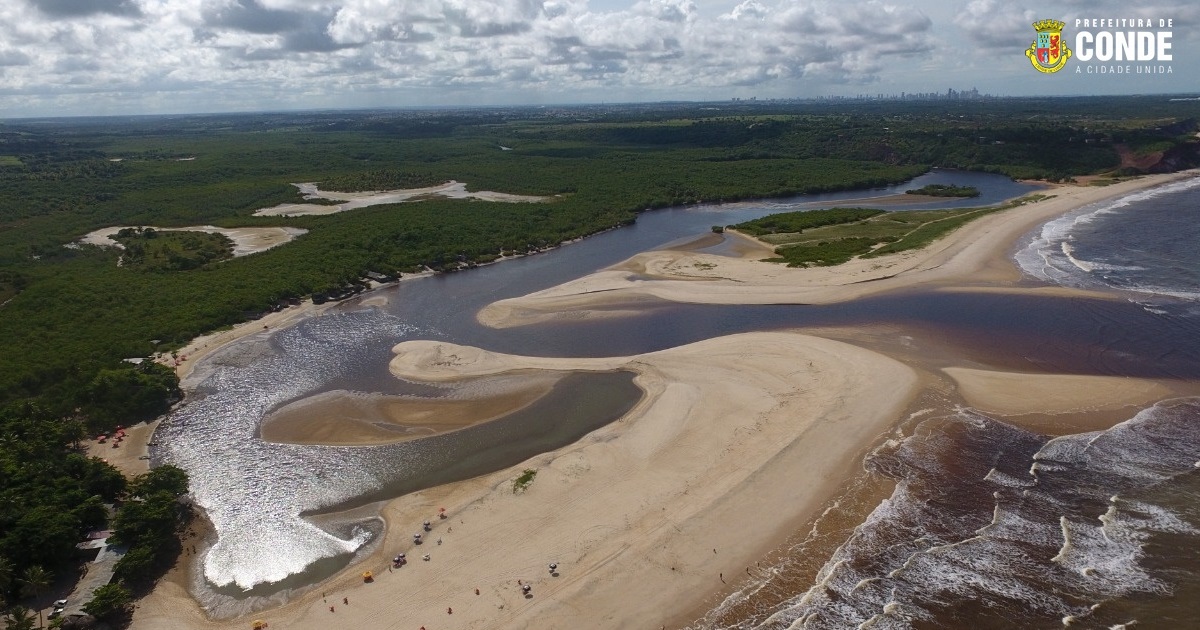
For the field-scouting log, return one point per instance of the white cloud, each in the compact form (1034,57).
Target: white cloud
(146,55)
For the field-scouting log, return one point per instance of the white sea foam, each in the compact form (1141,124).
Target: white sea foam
(1008,481)
(1051,256)
(1069,252)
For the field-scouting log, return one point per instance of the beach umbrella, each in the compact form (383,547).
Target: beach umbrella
(259,624)
(367,576)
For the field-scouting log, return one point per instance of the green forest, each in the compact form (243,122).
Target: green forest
(70,313)
(943,190)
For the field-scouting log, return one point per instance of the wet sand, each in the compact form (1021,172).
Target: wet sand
(352,419)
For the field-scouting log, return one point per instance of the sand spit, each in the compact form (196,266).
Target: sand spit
(975,254)
(1011,393)
(246,241)
(351,201)
(667,500)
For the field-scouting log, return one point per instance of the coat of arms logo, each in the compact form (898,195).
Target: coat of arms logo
(1048,53)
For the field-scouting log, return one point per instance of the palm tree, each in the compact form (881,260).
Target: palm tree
(34,580)
(19,618)
(6,574)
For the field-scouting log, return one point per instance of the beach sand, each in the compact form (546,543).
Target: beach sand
(131,455)
(974,255)
(1014,394)
(737,442)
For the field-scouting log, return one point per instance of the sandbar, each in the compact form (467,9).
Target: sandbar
(343,418)
(1012,393)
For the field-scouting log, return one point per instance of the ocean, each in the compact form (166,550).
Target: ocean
(989,525)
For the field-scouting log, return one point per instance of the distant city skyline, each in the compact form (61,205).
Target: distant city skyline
(109,57)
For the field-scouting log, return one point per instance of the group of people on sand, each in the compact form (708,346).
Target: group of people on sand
(401,559)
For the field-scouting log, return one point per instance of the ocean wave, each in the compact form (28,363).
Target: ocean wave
(1051,254)
(971,532)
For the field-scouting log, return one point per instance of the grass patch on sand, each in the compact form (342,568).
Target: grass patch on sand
(522,482)
(876,235)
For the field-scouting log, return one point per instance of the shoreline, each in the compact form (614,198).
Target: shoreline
(974,255)
(607,562)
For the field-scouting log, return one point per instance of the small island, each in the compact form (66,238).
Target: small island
(944,190)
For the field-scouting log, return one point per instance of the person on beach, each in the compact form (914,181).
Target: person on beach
(346,601)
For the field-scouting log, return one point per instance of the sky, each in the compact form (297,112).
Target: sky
(108,57)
